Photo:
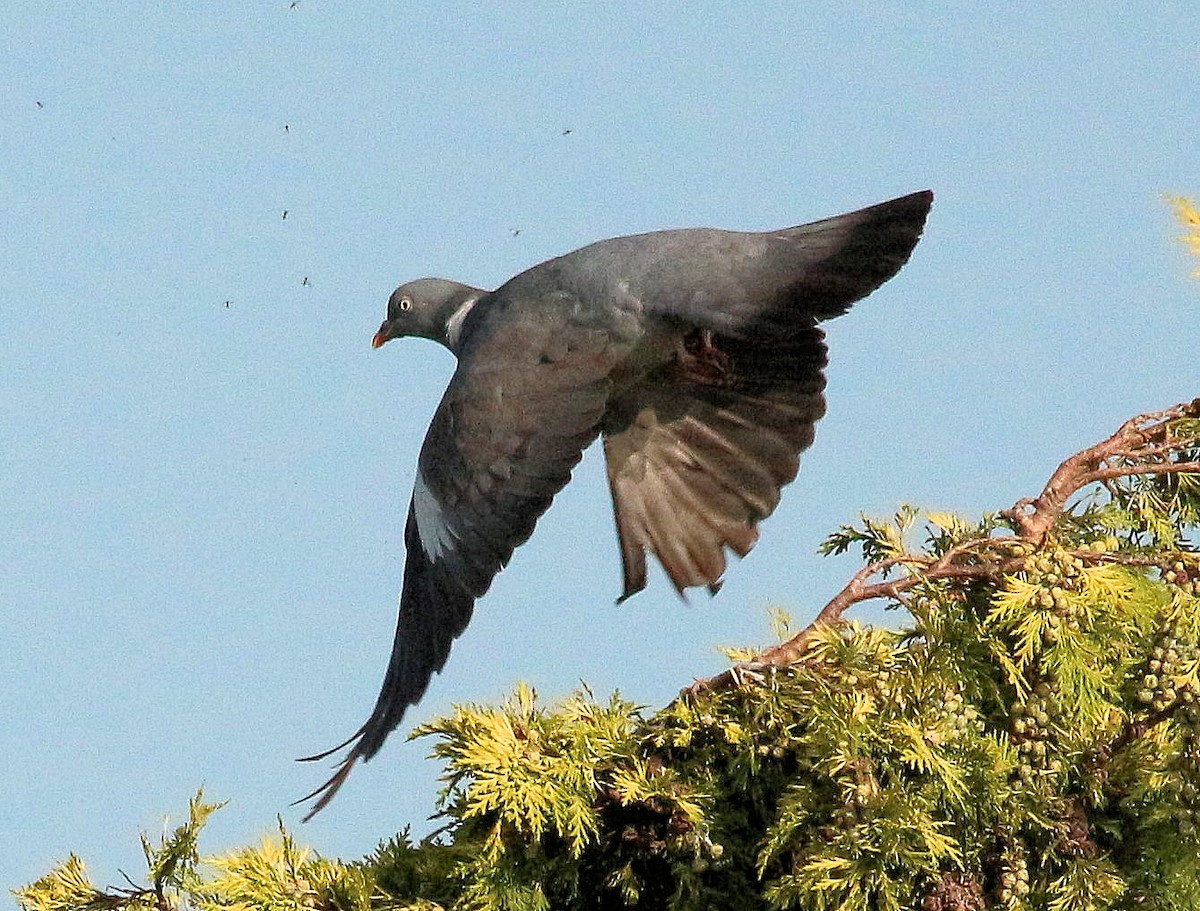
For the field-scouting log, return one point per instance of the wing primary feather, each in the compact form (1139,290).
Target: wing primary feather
(505,438)
(433,612)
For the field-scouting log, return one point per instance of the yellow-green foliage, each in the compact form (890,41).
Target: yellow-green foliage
(68,888)
(532,788)
(1189,217)
(170,871)
(280,875)
(1028,741)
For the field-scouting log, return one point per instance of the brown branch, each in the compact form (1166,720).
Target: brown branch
(1139,437)
(1162,560)
(1145,436)
(1125,471)
(1165,449)
(857,590)
(1140,727)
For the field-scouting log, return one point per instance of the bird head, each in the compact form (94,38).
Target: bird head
(431,308)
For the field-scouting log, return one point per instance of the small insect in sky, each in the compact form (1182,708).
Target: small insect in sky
(515,232)
(285,212)
(226,305)
(306,282)
(568,131)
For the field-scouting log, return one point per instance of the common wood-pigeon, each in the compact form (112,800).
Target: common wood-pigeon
(695,354)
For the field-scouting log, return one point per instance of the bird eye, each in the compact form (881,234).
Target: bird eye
(405,304)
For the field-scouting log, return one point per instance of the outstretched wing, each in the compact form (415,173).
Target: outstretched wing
(830,264)
(525,401)
(698,453)
(764,286)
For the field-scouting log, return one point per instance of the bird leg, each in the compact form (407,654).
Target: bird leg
(701,359)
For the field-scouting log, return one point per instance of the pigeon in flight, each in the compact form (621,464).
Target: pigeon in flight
(694,354)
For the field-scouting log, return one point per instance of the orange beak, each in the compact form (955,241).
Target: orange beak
(380,337)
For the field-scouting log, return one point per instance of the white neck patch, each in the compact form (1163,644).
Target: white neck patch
(454,324)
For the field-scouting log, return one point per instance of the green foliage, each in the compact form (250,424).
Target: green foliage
(171,868)
(536,792)
(879,540)
(278,874)
(1189,217)
(67,888)
(1029,741)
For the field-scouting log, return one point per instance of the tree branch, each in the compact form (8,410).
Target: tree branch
(1137,442)
(1139,438)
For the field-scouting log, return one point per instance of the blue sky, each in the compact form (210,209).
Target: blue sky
(204,467)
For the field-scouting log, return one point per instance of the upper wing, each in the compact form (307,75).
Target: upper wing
(525,401)
(764,286)
(830,264)
(698,453)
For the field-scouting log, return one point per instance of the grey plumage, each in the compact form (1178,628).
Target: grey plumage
(694,353)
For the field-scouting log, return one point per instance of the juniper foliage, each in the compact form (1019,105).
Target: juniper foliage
(1029,739)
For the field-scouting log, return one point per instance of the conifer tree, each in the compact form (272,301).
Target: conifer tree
(1028,740)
